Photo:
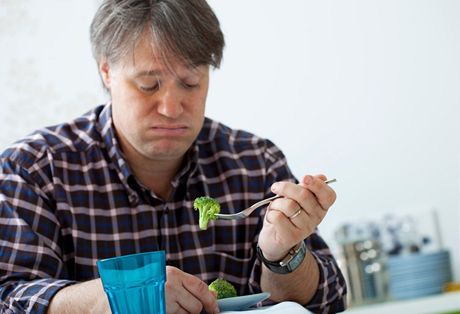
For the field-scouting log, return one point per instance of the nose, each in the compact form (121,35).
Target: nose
(170,102)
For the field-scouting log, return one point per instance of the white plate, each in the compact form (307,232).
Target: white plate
(241,303)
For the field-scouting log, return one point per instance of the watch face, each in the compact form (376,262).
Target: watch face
(296,260)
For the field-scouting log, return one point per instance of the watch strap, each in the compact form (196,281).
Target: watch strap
(289,263)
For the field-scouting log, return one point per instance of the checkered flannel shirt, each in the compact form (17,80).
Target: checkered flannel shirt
(68,198)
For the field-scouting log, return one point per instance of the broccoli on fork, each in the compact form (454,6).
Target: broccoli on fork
(208,208)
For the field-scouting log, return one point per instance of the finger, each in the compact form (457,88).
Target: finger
(307,222)
(321,176)
(303,196)
(286,235)
(199,289)
(302,217)
(180,292)
(288,190)
(287,206)
(176,309)
(173,295)
(325,195)
(179,299)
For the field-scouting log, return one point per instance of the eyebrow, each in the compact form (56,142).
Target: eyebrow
(156,72)
(148,73)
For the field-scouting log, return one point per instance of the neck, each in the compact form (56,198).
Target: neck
(156,174)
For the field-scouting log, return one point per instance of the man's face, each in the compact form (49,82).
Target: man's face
(157,113)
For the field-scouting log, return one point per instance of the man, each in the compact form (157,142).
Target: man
(122,179)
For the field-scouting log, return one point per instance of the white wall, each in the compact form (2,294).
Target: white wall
(47,73)
(364,91)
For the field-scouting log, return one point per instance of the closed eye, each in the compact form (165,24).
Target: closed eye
(149,89)
(188,85)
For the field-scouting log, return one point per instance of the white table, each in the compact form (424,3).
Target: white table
(441,303)
(280,308)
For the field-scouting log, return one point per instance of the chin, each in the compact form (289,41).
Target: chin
(165,153)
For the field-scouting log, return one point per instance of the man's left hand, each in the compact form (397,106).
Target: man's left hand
(294,217)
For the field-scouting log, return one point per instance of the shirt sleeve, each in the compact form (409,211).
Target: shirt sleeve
(31,267)
(330,296)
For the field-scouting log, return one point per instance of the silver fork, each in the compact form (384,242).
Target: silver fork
(246,212)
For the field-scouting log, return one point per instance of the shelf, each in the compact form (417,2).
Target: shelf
(441,303)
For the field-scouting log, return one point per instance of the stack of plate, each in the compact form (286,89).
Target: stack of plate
(417,275)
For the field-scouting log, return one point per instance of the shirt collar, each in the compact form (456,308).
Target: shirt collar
(113,148)
(108,133)
(189,166)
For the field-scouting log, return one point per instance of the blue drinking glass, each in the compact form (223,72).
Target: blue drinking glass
(135,283)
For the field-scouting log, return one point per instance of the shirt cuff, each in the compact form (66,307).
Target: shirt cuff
(330,295)
(30,296)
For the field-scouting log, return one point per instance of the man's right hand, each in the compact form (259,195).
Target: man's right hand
(184,293)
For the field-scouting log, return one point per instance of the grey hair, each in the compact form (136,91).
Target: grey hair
(187,30)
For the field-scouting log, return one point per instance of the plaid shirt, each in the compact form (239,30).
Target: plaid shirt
(68,198)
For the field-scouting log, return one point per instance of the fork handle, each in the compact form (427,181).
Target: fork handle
(265,201)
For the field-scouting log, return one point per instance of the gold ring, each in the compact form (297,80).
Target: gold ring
(297,213)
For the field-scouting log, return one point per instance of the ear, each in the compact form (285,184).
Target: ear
(104,70)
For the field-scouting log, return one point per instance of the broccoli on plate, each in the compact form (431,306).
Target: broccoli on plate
(223,288)
(208,208)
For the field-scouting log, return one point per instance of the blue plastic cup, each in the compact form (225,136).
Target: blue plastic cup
(135,283)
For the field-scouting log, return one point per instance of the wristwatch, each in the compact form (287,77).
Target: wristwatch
(289,263)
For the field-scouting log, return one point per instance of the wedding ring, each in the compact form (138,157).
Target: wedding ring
(297,213)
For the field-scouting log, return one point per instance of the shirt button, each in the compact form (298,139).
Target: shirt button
(133,198)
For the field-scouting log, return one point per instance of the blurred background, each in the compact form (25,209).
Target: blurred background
(364,91)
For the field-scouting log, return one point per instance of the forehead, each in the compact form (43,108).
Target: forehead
(147,56)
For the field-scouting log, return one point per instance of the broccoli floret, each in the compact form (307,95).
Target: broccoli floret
(223,288)
(208,208)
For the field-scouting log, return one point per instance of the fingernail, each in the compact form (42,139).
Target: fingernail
(275,187)
(307,180)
